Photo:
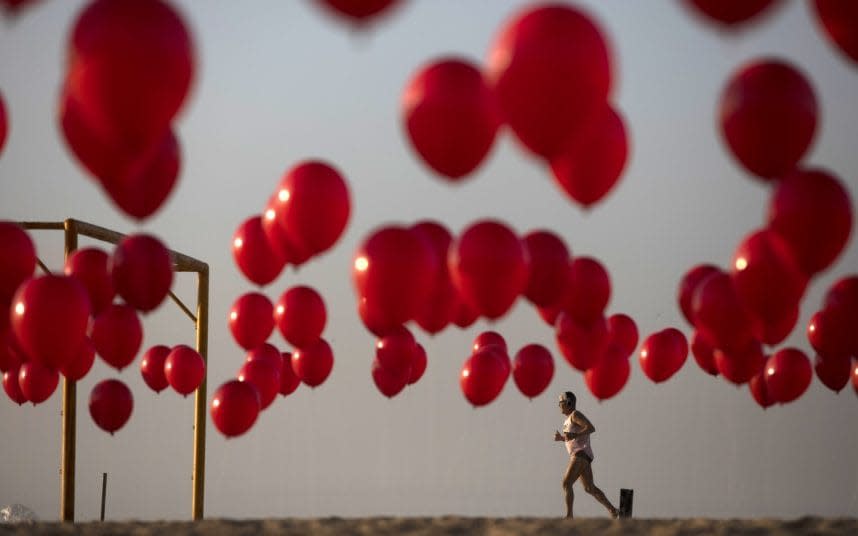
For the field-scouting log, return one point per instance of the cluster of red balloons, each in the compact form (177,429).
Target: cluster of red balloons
(832,334)
(130,68)
(399,361)
(304,217)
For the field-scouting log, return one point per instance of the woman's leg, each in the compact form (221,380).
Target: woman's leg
(590,487)
(573,471)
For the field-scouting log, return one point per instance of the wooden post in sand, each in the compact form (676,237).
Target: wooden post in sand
(69,411)
(626,499)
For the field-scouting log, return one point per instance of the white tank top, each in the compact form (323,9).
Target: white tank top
(580,443)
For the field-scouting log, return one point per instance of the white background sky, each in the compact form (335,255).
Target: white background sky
(279,82)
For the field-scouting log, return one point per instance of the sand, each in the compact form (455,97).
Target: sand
(448,525)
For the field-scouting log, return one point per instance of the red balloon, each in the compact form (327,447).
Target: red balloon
(131,67)
(489,338)
(623,333)
(234,407)
(663,353)
(278,238)
(10,354)
(300,315)
(396,351)
(37,382)
(264,378)
(289,381)
(833,371)
(358,11)
(374,319)
(439,307)
(741,365)
(532,369)
(184,369)
(110,405)
(730,13)
(117,335)
(812,211)
(253,254)
(482,377)
(549,267)
(588,290)
(719,314)
(589,169)
(832,332)
(489,267)
(609,375)
(451,116)
(688,286)
(582,344)
(11,386)
(313,363)
(19,259)
(268,353)
(760,391)
(767,280)
(550,69)
(855,377)
(768,117)
(839,20)
(4,123)
(788,375)
(312,206)
(251,319)
(90,267)
(142,270)
(464,314)
(152,367)
(843,294)
(81,364)
(418,364)
(389,382)
(394,270)
(704,353)
(49,316)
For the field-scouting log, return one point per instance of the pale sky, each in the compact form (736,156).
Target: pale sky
(279,82)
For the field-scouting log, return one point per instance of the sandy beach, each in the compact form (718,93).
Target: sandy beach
(449,525)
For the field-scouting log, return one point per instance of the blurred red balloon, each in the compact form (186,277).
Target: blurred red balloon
(234,407)
(663,353)
(760,391)
(418,365)
(184,369)
(313,363)
(437,311)
(588,290)
(609,375)
(623,333)
(300,315)
(464,314)
(532,369)
(117,335)
(131,65)
(812,211)
(254,255)
(739,366)
(278,239)
(80,365)
(4,123)
(589,169)
(288,380)
(11,386)
(90,267)
(374,320)
(843,294)
(10,354)
(482,377)
(788,375)
(704,353)
(142,270)
(688,286)
(264,378)
(389,382)
(358,11)
(251,319)
(489,267)
(719,314)
(839,20)
(855,376)
(152,367)
(550,69)
(110,405)
(268,353)
(37,382)
(19,259)
(832,332)
(396,351)
(49,319)
(394,270)
(549,267)
(833,371)
(450,116)
(768,114)
(582,344)
(730,13)
(489,338)
(312,206)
